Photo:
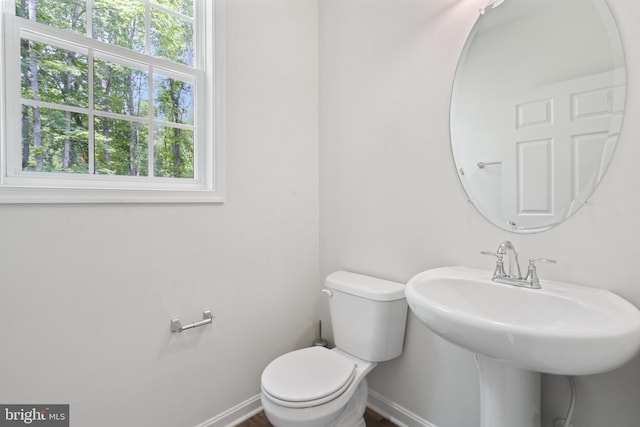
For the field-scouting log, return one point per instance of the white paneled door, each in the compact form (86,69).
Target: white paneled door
(557,141)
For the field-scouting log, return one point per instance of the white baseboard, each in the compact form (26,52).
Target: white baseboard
(234,416)
(394,412)
(383,406)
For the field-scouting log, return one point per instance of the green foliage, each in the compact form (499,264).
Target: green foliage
(173,152)
(183,6)
(171,38)
(121,147)
(58,127)
(119,22)
(61,74)
(57,140)
(67,14)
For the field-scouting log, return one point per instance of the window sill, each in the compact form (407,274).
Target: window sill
(22,195)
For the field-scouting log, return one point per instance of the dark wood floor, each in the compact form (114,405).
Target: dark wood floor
(370,417)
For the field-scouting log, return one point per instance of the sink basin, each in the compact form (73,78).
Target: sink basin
(559,329)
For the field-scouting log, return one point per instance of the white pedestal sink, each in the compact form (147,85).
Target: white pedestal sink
(518,333)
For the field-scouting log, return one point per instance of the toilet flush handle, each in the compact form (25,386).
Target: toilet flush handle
(327,291)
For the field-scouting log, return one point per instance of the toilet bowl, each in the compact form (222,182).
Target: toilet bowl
(318,387)
(314,387)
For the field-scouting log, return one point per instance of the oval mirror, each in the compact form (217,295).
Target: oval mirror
(536,109)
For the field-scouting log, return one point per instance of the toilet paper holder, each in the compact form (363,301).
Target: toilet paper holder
(207,318)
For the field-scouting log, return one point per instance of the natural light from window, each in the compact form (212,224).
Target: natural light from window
(115,98)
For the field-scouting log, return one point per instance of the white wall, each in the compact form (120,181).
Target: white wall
(88,291)
(392,206)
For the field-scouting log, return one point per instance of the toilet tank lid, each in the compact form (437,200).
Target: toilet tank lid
(365,286)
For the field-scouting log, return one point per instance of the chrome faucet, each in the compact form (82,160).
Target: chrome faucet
(507,248)
(514,275)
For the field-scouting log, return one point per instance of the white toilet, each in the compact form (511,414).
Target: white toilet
(318,387)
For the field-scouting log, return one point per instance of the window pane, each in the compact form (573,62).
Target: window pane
(173,152)
(54,140)
(171,38)
(121,147)
(52,74)
(120,89)
(183,6)
(113,105)
(172,100)
(119,22)
(66,14)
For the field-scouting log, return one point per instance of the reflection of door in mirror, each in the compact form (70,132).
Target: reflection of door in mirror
(558,140)
(549,76)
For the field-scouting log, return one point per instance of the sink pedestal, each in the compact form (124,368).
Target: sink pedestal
(509,396)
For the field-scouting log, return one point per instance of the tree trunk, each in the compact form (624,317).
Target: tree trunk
(67,160)
(26,123)
(175,149)
(66,155)
(33,69)
(26,134)
(133,134)
(188,44)
(133,165)
(106,85)
(176,91)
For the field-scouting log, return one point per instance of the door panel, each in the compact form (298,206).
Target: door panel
(557,141)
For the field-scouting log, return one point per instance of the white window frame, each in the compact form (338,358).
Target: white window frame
(209,183)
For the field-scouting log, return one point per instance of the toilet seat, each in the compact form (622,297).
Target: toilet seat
(308,377)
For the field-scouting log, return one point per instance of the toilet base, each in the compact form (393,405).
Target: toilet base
(359,423)
(351,416)
(354,411)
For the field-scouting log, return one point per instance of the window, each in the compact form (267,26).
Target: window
(111,101)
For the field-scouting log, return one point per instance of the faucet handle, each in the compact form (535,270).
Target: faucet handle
(499,271)
(532,261)
(532,274)
(495,254)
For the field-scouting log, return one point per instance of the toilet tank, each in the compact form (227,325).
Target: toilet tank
(368,315)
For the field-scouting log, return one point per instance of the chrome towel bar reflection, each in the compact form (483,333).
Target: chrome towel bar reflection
(481,165)
(207,318)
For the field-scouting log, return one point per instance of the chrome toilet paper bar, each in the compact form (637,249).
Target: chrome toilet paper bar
(207,318)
